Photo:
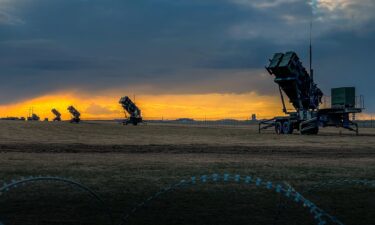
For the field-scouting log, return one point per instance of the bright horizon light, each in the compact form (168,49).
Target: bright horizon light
(208,106)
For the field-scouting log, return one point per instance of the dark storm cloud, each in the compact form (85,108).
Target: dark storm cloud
(176,46)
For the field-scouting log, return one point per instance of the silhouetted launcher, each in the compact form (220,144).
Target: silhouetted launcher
(75,114)
(304,95)
(57,115)
(33,117)
(135,115)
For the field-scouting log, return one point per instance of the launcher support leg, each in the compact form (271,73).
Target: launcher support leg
(355,129)
(267,124)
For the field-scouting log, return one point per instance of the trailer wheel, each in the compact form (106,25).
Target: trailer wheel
(287,128)
(278,128)
(313,131)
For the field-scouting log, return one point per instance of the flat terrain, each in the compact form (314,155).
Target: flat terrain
(125,165)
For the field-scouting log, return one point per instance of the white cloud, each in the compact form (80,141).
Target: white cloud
(334,5)
(355,11)
(293,23)
(262,3)
(7,17)
(5,4)
(350,15)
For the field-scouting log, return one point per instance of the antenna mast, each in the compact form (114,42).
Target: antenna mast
(311,50)
(312,96)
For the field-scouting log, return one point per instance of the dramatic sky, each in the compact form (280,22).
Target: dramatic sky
(182,58)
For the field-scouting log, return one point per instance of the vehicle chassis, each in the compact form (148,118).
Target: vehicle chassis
(331,117)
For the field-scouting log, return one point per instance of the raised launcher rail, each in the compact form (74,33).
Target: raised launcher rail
(75,114)
(135,113)
(304,95)
(57,115)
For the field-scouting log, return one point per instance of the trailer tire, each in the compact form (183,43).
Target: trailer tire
(287,128)
(313,131)
(278,128)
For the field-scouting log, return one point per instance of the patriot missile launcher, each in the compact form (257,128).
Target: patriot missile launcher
(135,116)
(75,114)
(57,115)
(298,85)
(33,117)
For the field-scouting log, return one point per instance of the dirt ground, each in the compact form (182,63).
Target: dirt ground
(125,165)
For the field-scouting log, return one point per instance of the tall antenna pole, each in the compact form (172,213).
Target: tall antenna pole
(311,50)
(312,98)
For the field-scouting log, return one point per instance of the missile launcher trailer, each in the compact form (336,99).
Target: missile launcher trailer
(57,115)
(135,113)
(75,115)
(305,97)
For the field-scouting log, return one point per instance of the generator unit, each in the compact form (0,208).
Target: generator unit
(343,97)
(135,115)
(305,97)
(75,114)
(57,115)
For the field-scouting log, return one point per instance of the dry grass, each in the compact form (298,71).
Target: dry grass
(141,160)
(108,133)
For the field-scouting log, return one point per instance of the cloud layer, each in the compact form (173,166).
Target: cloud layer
(178,46)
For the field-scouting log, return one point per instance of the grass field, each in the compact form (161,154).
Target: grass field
(126,165)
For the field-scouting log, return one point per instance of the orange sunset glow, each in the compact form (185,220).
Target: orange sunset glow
(200,106)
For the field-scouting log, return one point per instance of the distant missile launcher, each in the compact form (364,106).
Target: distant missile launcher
(33,117)
(134,112)
(13,118)
(57,115)
(75,114)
